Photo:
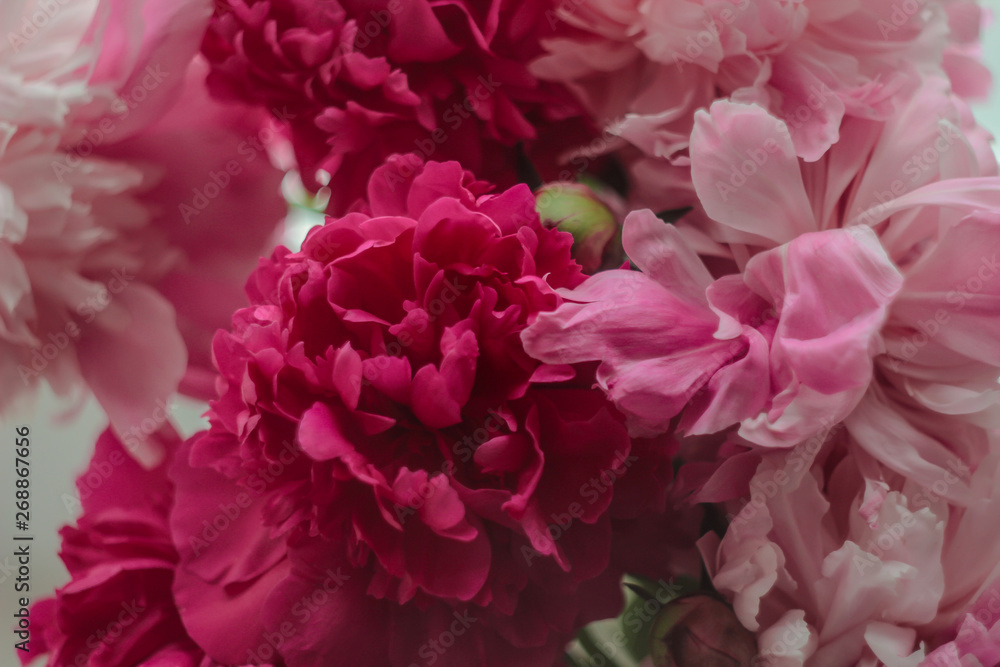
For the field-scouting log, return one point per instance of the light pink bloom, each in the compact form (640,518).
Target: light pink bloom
(643,67)
(782,349)
(95,165)
(926,187)
(838,561)
(215,201)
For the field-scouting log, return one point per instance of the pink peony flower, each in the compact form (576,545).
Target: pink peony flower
(781,350)
(215,201)
(835,560)
(643,68)
(95,169)
(929,191)
(359,81)
(879,318)
(389,477)
(118,608)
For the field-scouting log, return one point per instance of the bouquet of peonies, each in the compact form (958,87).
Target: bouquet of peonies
(638,332)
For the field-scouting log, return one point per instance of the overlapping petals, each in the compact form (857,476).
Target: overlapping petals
(98,266)
(118,608)
(356,82)
(382,437)
(803,319)
(643,68)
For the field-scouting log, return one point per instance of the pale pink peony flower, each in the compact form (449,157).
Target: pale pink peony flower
(95,166)
(977,637)
(781,349)
(643,67)
(836,561)
(916,196)
(926,186)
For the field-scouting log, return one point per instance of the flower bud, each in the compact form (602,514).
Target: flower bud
(700,631)
(577,209)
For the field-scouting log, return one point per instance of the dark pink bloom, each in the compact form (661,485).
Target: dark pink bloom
(388,472)
(118,609)
(357,81)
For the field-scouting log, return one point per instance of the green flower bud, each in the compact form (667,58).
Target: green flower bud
(575,208)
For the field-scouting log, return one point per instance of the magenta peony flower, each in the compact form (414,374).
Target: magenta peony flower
(359,81)
(96,166)
(118,608)
(389,478)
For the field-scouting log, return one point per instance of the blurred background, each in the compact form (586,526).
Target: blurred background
(62,436)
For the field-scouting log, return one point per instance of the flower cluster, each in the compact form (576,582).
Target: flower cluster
(656,332)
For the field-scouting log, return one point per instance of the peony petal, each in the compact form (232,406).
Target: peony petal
(744,169)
